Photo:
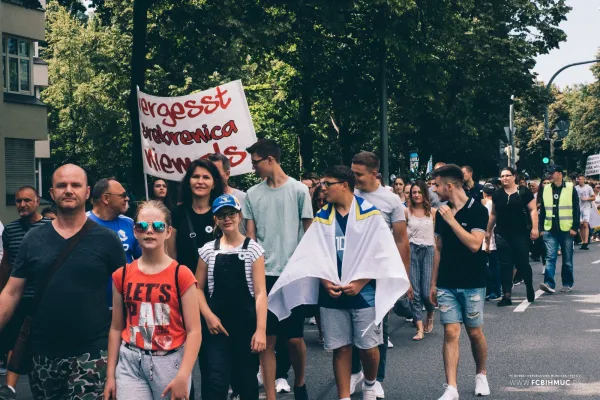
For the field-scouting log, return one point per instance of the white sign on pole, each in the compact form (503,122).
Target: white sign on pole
(593,165)
(177,130)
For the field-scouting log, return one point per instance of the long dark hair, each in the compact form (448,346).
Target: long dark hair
(424,192)
(167,201)
(185,191)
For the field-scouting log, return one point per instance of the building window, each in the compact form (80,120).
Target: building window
(19,156)
(17,64)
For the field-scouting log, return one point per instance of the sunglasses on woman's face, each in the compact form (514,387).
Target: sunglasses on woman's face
(230,214)
(143,226)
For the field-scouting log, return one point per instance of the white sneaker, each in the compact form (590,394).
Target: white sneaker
(368,393)
(355,379)
(259,377)
(281,385)
(379,390)
(390,344)
(481,385)
(543,270)
(450,394)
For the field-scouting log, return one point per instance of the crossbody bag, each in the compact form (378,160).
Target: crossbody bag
(20,361)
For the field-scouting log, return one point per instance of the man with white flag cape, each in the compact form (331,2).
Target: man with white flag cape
(348,263)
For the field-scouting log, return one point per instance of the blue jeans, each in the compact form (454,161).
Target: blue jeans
(565,241)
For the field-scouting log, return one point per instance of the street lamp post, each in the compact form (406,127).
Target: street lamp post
(547,131)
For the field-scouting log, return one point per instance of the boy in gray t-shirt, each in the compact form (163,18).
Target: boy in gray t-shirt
(277,214)
(278,211)
(365,166)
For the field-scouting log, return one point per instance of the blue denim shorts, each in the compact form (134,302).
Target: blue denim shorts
(461,306)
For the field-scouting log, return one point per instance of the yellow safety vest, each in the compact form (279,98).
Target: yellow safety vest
(565,207)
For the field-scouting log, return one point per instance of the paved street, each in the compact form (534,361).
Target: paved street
(557,335)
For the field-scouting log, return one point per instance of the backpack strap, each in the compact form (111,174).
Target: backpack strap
(123,295)
(179,294)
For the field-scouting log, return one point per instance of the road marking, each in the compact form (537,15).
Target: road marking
(523,306)
(596,262)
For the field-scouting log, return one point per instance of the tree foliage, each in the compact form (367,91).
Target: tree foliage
(312,70)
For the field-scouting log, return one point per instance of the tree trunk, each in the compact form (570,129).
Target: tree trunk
(138,78)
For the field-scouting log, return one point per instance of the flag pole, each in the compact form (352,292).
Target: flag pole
(146,186)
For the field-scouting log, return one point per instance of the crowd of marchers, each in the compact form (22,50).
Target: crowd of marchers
(97,305)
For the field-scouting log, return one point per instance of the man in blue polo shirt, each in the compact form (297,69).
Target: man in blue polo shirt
(110,201)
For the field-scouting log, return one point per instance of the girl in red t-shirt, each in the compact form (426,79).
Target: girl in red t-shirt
(155,333)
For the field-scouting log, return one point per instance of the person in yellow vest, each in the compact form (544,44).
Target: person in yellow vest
(559,222)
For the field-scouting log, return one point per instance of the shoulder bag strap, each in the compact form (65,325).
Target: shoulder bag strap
(191,228)
(60,259)
(179,294)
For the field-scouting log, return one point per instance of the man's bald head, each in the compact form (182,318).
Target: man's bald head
(69,189)
(70,170)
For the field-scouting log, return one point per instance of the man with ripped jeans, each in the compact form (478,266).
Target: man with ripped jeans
(459,276)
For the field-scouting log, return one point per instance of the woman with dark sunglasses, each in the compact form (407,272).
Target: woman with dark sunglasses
(155,333)
(193,222)
(234,308)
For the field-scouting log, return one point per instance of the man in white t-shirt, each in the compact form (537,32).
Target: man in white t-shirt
(365,166)
(586,204)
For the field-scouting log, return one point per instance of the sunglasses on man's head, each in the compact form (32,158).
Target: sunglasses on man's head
(143,226)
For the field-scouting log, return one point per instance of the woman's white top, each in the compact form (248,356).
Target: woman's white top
(420,229)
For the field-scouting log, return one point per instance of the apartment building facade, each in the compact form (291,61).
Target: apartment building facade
(23,117)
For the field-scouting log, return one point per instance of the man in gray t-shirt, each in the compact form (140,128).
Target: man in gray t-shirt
(278,212)
(365,166)
(586,207)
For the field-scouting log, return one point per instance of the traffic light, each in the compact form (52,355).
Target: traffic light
(545,144)
(557,145)
(516,155)
(502,157)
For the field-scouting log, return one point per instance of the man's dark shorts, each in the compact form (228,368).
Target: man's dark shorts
(291,327)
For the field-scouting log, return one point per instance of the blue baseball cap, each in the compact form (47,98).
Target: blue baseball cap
(226,200)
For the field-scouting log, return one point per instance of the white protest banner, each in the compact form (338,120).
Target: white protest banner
(177,130)
(593,165)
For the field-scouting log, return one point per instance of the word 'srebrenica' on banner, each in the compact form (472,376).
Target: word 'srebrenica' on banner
(177,130)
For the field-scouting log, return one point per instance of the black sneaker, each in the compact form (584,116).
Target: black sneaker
(300,393)
(530,293)
(7,394)
(584,247)
(505,302)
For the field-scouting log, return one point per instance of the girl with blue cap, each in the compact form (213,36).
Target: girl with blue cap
(234,309)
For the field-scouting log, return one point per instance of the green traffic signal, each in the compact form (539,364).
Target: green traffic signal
(545,160)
